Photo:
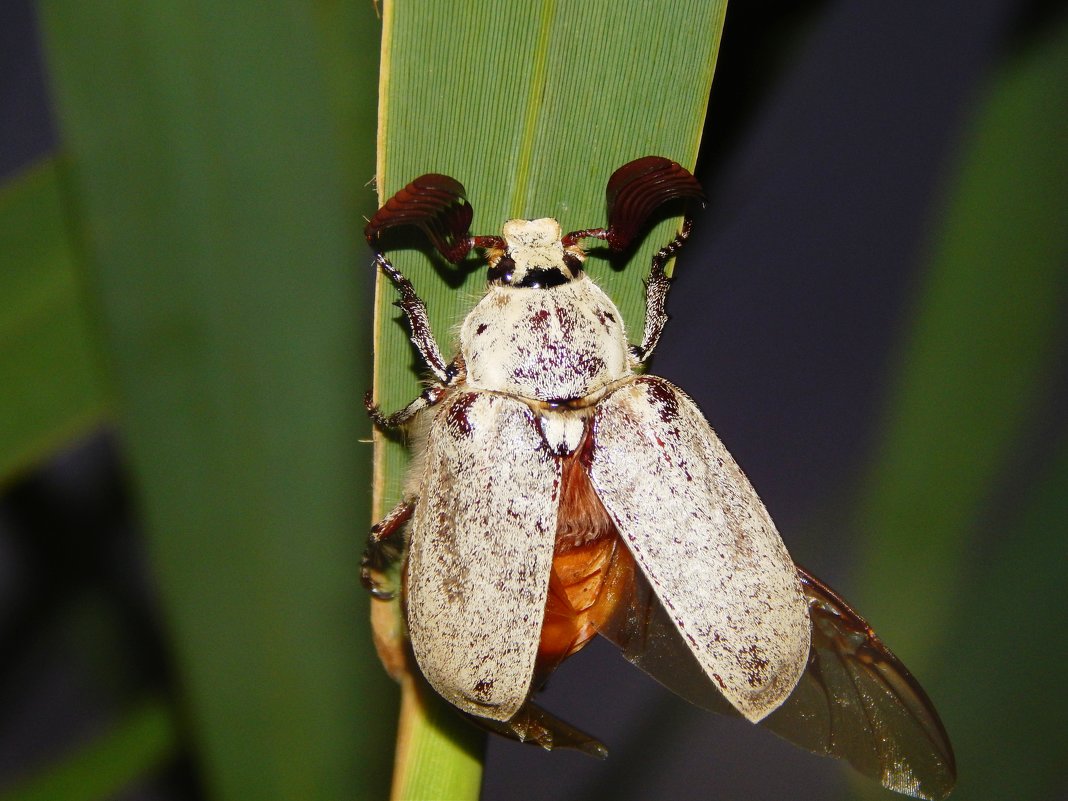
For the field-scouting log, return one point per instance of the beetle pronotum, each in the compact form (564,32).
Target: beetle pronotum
(557,492)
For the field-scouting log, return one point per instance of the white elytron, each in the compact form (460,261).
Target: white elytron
(558,492)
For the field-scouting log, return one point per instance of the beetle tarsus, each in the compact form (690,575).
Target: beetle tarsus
(383,551)
(427,398)
(415,310)
(378,558)
(656,290)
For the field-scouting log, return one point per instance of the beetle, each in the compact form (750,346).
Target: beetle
(557,491)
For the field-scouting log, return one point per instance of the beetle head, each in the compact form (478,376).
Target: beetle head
(533,255)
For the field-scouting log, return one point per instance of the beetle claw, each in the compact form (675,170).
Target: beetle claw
(533,725)
(379,589)
(378,557)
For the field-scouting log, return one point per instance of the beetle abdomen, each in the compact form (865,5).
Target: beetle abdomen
(589,571)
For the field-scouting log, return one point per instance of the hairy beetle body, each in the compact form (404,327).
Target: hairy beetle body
(556,344)
(558,493)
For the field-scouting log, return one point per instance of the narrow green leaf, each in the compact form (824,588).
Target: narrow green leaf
(140,742)
(49,368)
(439,754)
(538,136)
(209,154)
(532,107)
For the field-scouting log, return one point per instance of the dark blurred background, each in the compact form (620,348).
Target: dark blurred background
(837,140)
(839,137)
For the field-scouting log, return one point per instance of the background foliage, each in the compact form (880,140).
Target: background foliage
(871,315)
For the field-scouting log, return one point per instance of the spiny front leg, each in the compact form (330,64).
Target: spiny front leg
(415,310)
(427,398)
(656,289)
(383,551)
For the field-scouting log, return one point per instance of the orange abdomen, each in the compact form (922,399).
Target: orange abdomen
(591,569)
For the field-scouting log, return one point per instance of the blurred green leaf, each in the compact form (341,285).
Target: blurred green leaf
(980,341)
(532,107)
(138,743)
(978,619)
(1004,653)
(48,363)
(210,147)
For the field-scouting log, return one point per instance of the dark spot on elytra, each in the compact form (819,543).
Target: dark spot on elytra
(587,447)
(483,687)
(662,397)
(481,328)
(606,319)
(755,664)
(456,418)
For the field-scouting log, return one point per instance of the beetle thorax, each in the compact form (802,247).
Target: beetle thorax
(549,344)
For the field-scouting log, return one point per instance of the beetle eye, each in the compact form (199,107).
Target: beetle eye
(573,262)
(501,272)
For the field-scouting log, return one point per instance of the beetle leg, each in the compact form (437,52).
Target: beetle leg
(382,550)
(427,398)
(656,289)
(532,724)
(415,310)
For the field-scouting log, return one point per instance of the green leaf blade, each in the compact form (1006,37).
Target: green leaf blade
(48,359)
(963,582)
(209,170)
(531,107)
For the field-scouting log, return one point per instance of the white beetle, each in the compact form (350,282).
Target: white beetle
(557,492)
